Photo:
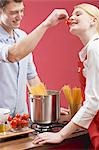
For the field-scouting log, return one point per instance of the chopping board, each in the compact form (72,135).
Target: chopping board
(9,134)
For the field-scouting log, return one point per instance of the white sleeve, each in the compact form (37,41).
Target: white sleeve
(31,68)
(4,52)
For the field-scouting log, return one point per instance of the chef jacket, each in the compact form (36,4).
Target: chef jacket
(13,76)
(89,55)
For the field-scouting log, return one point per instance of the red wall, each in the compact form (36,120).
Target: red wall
(56,54)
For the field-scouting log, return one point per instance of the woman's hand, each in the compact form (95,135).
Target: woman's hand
(48,137)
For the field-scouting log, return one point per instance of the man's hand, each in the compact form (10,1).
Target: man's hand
(56,17)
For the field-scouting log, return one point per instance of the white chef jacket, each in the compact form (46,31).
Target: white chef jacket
(89,55)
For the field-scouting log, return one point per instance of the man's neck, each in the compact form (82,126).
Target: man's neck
(6,28)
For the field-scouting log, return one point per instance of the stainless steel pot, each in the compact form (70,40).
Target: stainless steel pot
(45,109)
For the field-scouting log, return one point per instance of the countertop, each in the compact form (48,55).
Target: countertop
(78,140)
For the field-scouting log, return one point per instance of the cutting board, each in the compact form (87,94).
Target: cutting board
(10,133)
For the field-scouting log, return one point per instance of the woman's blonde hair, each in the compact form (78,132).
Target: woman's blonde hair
(91,10)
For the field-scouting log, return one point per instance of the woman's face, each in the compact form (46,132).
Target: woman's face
(80,21)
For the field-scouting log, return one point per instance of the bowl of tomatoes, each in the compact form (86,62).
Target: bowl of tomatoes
(18,122)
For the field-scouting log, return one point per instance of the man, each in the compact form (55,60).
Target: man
(16,65)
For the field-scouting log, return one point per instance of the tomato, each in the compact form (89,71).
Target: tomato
(13,123)
(25,116)
(18,115)
(15,118)
(24,123)
(19,121)
(10,118)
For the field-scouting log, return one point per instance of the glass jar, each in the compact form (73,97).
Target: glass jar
(3,120)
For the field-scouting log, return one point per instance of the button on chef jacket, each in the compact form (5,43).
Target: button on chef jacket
(89,55)
(13,76)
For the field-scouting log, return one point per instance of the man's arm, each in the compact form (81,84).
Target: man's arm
(36,80)
(27,45)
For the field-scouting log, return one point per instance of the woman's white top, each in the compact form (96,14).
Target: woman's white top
(89,55)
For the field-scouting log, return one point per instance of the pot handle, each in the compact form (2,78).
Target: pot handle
(60,91)
(37,98)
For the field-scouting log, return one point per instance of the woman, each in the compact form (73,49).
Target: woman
(84,23)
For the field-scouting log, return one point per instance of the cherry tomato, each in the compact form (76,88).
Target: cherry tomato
(18,115)
(10,118)
(19,121)
(24,123)
(13,123)
(15,118)
(25,116)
